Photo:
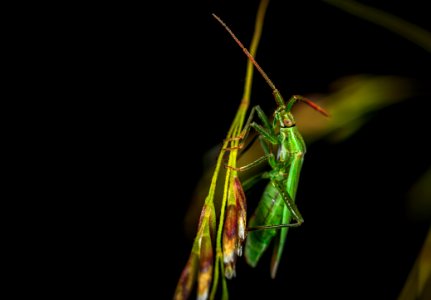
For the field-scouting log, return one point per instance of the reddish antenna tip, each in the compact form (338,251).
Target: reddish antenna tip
(315,106)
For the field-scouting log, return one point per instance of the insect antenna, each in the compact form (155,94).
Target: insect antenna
(307,101)
(276,93)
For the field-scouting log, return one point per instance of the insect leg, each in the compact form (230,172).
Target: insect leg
(276,226)
(266,130)
(289,202)
(269,156)
(250,165)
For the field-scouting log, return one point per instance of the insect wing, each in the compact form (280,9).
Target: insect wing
(269,211)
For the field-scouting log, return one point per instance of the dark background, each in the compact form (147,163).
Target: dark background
(170,80)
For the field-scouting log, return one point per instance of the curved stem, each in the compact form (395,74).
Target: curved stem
(234,130)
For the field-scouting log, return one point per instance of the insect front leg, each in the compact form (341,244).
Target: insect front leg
(266,129)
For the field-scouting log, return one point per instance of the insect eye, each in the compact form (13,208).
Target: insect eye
(287,123)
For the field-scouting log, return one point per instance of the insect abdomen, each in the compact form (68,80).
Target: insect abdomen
(268,212)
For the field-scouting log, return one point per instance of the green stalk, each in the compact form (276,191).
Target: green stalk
(234,130)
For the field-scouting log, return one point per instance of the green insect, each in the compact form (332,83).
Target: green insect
(284,150)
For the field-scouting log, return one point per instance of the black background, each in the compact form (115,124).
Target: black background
(168,81)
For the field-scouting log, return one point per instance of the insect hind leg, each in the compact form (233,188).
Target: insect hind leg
(276,226)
